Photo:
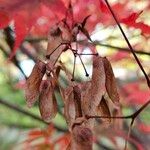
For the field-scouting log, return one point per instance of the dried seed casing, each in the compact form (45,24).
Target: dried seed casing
(96,90)
(47,101)
(110,83)
(33,83)
(103,110)
(82,138)
(69,108)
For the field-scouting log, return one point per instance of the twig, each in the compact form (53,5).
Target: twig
(24,112)
(14,61)
(132,116)
(10,40)
(120,48)
(82,42)
(16,108)
(18,125)
(128,43)
(74,65)
(28,53)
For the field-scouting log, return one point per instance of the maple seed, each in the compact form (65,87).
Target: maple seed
(82,138)
(77,101)
(33,82)
(110,82)
(103,110)
(47,101)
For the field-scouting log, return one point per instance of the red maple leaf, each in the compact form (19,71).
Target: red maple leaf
(131,21)
(25,13)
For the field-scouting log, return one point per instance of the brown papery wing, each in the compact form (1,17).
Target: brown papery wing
(33,83)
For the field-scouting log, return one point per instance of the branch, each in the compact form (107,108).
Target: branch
(24,112)
(132,116)
(28,53)
(14,61)
(120,48)
(96,43)
(17,125)
(128,43)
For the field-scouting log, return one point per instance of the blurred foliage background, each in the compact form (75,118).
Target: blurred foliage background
(17,121)
(15,125)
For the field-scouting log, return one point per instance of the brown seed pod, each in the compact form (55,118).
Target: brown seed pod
(103,110)
(47,101)
(54,41)
(69,108)
(96,90)
(98,80)
(77,101)
(93,94)
(33,83)
(66,33)
(82,138)
(110,82)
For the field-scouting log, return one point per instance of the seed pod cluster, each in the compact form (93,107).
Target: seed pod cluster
(90,98)
(102,83)
(36,88)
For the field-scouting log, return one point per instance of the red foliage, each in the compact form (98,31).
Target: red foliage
(48,140)
(144,128)
(25,14)
(135,94)
(120,56)
(39,16)
(5,19)
(131,21)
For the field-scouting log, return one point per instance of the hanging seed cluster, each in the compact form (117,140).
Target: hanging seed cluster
(81,100)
